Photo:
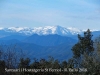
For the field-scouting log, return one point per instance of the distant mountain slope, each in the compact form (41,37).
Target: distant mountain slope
(49,40)
(95,34)
(61,52)
(17,37)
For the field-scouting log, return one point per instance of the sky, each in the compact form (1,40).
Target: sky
(82,14)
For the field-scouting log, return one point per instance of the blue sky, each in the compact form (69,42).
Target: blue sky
(80,14)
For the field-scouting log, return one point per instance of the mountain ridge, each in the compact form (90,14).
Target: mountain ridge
(43,41)
(49,40)
(46,30)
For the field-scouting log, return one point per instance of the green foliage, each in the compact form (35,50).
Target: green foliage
(97,46)
(84,45)
(2,67)
(24,63)
(84,54)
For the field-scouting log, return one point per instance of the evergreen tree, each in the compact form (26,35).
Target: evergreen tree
(24,63)
(84,46)
(83,53)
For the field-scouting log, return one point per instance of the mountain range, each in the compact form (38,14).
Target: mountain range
(40,30)
(41,42)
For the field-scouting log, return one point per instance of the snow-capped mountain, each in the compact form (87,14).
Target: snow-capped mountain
(43,30)
(43,46)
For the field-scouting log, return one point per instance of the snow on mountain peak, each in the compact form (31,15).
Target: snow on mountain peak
(74,30)
(17,29)
(44,30)
(1,28)
(55,30)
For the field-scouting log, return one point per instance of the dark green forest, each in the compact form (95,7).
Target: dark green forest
(85,60)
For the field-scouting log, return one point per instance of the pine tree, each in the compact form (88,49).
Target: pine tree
(83,48)
(84,45)
(83,51)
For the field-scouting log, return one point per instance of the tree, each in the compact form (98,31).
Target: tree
(84,46)
(2,67)
(97,47)
(84,54)
(2,62)
(24,63)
